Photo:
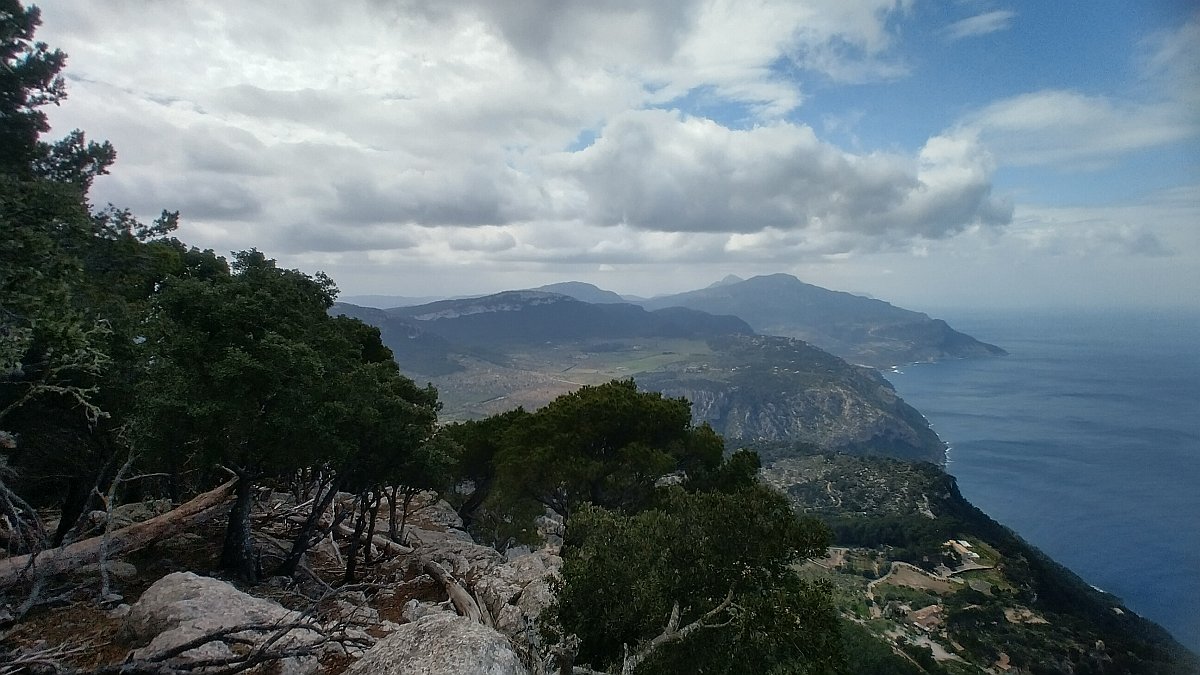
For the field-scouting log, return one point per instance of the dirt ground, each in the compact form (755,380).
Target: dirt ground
(903,574)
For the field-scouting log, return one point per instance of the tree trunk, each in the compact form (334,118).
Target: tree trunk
(303,540)
(132,538)
(474,501)
(393,533)
(237,554)
(360,523)
(73,506)
(372,518)
(409,493)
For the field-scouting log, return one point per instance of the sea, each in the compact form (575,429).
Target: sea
(1085,440)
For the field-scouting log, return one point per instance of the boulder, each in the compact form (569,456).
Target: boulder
(429,512)
(183,606)
(455,551)
(440,644)
(506,584)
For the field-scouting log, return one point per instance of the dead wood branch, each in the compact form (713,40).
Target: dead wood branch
(380,541)
(673,633)
(136,536)
(463,602)
(20,661)
(106,538)
(276,647)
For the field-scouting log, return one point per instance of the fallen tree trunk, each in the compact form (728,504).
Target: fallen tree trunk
(139,535)
(463,602)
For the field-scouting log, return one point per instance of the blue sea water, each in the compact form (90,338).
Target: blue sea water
(1085,440)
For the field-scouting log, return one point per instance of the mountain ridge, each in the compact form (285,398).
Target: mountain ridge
(523,348)
(533,315)
(862,330)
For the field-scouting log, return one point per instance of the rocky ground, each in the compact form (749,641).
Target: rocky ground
(166,611)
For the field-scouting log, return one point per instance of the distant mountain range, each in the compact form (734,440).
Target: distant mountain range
(750,355)
(539,316)
(514,348)
(583,291)
(858,329)
(861,330)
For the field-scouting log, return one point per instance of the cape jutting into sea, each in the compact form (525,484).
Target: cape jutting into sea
(1085,440)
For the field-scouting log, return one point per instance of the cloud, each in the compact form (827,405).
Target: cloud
(432,196)
(662,171)
(308,237)
(980,24)
(1087,240)
(1068,128)
(424,134)
(1075,130)
(487,239)
(1171,60)
(1159,226)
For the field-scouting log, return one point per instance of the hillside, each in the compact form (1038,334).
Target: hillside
(860,330)
(781,389)
(917,566)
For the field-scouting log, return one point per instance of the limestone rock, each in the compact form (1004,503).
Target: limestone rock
(415,609)
(356,612)
(119,612)
(455,550)
(182,544)
(517,592)
(183,606)
(431,513)
(441,644)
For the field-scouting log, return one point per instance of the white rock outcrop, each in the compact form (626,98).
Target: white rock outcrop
(516,593)
(440,644)
(183,606)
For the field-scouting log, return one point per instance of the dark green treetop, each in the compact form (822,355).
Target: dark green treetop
(722,560)
(605,444)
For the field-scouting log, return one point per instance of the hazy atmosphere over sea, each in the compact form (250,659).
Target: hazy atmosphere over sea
(972,153)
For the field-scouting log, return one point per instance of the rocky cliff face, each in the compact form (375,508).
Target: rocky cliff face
(833,418)
(785,390)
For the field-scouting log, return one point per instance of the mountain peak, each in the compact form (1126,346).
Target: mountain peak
(729,280)
(862,330)
(583,291)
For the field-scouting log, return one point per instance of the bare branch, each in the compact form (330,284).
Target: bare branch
(27,660)
(673,633)
(106,538)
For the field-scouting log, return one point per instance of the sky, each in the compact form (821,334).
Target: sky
(957,153)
